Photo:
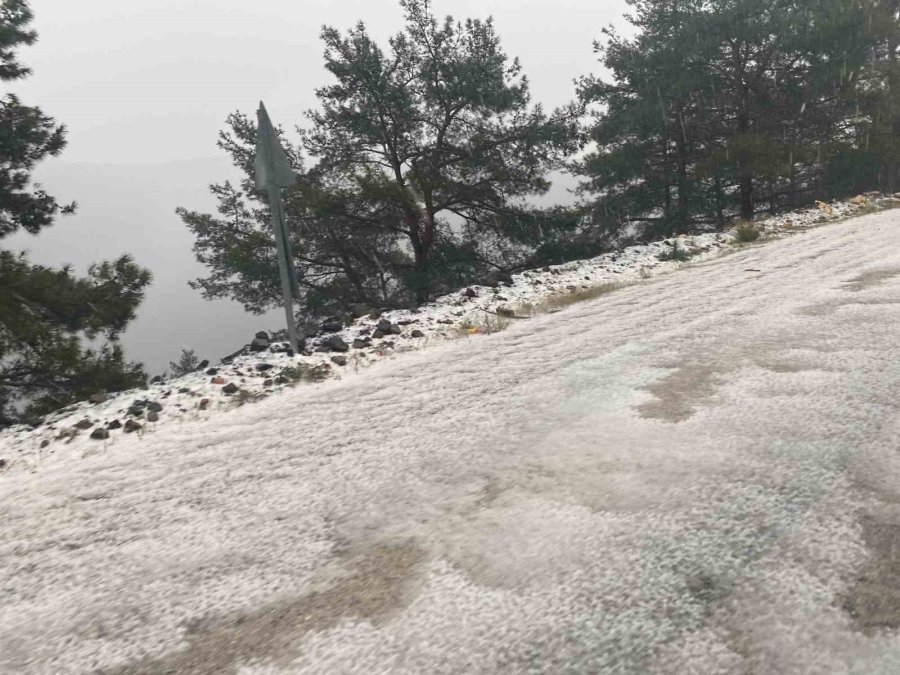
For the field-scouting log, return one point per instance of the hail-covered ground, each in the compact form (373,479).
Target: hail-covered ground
(337,349)
(696,473)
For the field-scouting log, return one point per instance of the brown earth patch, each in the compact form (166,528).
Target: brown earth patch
(376,588)
(679,393)
(874,599)
(869,279)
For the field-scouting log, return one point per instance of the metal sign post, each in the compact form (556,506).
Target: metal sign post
(273,172)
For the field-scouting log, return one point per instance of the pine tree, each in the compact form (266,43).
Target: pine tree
(187,363)
(721,106)
(46,314)
(424,156)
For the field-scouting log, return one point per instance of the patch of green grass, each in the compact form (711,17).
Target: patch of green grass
(677,254)
(487,324)
(746,232)
(559,301)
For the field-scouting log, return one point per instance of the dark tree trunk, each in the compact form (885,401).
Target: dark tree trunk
(746,195)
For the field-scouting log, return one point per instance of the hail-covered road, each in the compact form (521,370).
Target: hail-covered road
(696,474)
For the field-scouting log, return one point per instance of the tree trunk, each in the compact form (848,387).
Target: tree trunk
(681,148)
(421,253)
(746,195)
(720,203)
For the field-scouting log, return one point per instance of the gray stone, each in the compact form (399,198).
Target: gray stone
(339,360)
(334,343)
(99,434)
(331,326)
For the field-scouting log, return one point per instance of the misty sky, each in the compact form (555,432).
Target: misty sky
(143,87)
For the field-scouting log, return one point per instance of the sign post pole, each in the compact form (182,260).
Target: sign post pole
(273,172)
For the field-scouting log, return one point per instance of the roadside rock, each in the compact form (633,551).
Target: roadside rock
(339,360)
(83,424)
(131,425)
(359,310)
(229,388)
(99,434)
(260,342)
(334,343)
(331,326)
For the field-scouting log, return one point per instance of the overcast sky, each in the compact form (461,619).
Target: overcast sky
(144,86)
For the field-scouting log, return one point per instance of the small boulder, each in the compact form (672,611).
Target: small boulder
(378,334)
(309,329)
(218,379)
(83,424)
(506,311)
(267,383)
(361,343)
(229,388)
(154,407)
(2,463)
(153,417)
(115,424)
(204,403)
(260,342)
(470,293)
(417,334)
(263,367)
(136,411)
(96,399)
(156,379)
(45,443)
(339,360)
(131,425)
(203,364)
(331,326)
(99,434)
(212,371)
(359,310)
(334,343)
